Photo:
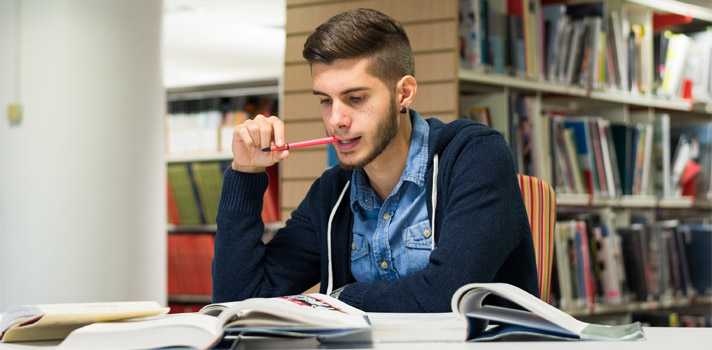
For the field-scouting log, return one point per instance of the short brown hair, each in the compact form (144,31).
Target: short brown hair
(363,33)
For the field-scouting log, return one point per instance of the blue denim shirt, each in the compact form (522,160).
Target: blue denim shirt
(391,238)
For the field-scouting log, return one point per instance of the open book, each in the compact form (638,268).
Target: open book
(538,320)
(298,316)
(56,321)
(330,320)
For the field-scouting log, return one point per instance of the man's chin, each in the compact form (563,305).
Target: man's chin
(351,165)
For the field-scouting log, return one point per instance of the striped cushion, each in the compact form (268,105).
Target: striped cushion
(540,201)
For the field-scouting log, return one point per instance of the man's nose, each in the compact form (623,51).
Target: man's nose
(340,116)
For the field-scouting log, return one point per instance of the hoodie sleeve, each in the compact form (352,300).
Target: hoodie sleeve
(245,267)
(482,234)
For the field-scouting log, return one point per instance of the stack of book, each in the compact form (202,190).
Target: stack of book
(597,263)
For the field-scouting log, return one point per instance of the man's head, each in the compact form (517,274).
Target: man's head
(362,66)
(363,33)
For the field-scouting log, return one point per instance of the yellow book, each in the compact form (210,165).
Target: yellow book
(56,321)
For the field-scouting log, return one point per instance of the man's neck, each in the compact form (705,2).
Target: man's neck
(385,171)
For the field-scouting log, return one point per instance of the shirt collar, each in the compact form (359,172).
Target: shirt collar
(415,166)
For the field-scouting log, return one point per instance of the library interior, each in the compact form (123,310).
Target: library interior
(128,109)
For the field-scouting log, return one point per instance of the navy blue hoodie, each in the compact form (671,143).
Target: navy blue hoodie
(481,231)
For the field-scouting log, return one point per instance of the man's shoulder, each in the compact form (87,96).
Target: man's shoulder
(459,132)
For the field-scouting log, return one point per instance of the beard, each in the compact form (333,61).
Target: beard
(385,133)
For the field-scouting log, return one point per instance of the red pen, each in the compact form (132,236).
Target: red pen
(307,143)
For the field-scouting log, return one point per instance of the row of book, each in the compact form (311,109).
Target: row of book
(596,262)
(594,155)
(194,190)
(665,318)
(190,257)
(587,45)
(602,157)
(205,125)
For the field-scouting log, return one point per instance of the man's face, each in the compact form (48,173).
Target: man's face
(357,108)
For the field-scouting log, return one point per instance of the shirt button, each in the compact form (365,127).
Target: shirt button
(426,233)
(353,246)
(384,264)
(386,216)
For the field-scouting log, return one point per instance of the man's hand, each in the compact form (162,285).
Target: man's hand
(250,137)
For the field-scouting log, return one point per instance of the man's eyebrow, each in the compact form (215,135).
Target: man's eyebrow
(347,91)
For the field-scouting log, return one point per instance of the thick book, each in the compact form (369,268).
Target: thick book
(56,321)
(219,325)
(535,320)
(329,320)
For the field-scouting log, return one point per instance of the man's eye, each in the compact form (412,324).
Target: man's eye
(357,99)
(325,101)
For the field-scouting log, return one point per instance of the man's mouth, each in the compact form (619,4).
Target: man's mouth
(349,140)
(348,144)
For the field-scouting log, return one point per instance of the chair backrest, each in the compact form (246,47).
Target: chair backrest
(540,201)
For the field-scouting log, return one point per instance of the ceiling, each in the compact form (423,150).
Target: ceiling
(208,42)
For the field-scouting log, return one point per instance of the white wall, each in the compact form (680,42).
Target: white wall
(82,177)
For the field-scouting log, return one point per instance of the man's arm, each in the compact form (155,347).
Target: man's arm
(243,266)
(479,238)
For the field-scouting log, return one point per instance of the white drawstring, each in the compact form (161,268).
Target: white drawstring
(330,285)
(434,200)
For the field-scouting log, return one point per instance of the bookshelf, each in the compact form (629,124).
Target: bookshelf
(199,127)
(448,88)
(516,95)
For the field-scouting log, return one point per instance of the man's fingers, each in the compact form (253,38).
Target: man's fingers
(278,128)
(242,134)
(265,134)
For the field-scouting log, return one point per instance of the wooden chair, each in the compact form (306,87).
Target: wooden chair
(540,201)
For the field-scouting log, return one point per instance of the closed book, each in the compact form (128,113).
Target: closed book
(701,258)
(635,260)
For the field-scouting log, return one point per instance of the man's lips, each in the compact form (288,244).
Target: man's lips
(347,144)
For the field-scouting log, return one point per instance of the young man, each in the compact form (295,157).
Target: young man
(415,210)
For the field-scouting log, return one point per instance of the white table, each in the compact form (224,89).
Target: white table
(657,339)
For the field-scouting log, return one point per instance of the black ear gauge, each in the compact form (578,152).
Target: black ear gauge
(403,110)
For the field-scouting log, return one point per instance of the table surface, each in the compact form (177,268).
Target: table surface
(657,339)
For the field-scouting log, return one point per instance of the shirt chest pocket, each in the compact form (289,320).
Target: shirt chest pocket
(417,240)
(359,247)
(418,236)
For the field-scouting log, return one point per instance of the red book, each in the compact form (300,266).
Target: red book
(173,213)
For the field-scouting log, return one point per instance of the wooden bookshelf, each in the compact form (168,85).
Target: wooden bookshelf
(622,97)
(182,276)
(446,89)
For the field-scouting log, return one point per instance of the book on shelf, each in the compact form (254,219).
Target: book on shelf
(330,320)
(56,321)
(614,159)
(668,318)
(590,45)
(639,262)
(692,162)
(204,125)
(195,189)
(700,238)
(190,257)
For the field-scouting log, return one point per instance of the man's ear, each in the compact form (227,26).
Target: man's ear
(405,91)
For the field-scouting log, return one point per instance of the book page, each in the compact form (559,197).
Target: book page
(468,300)
(315,310)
